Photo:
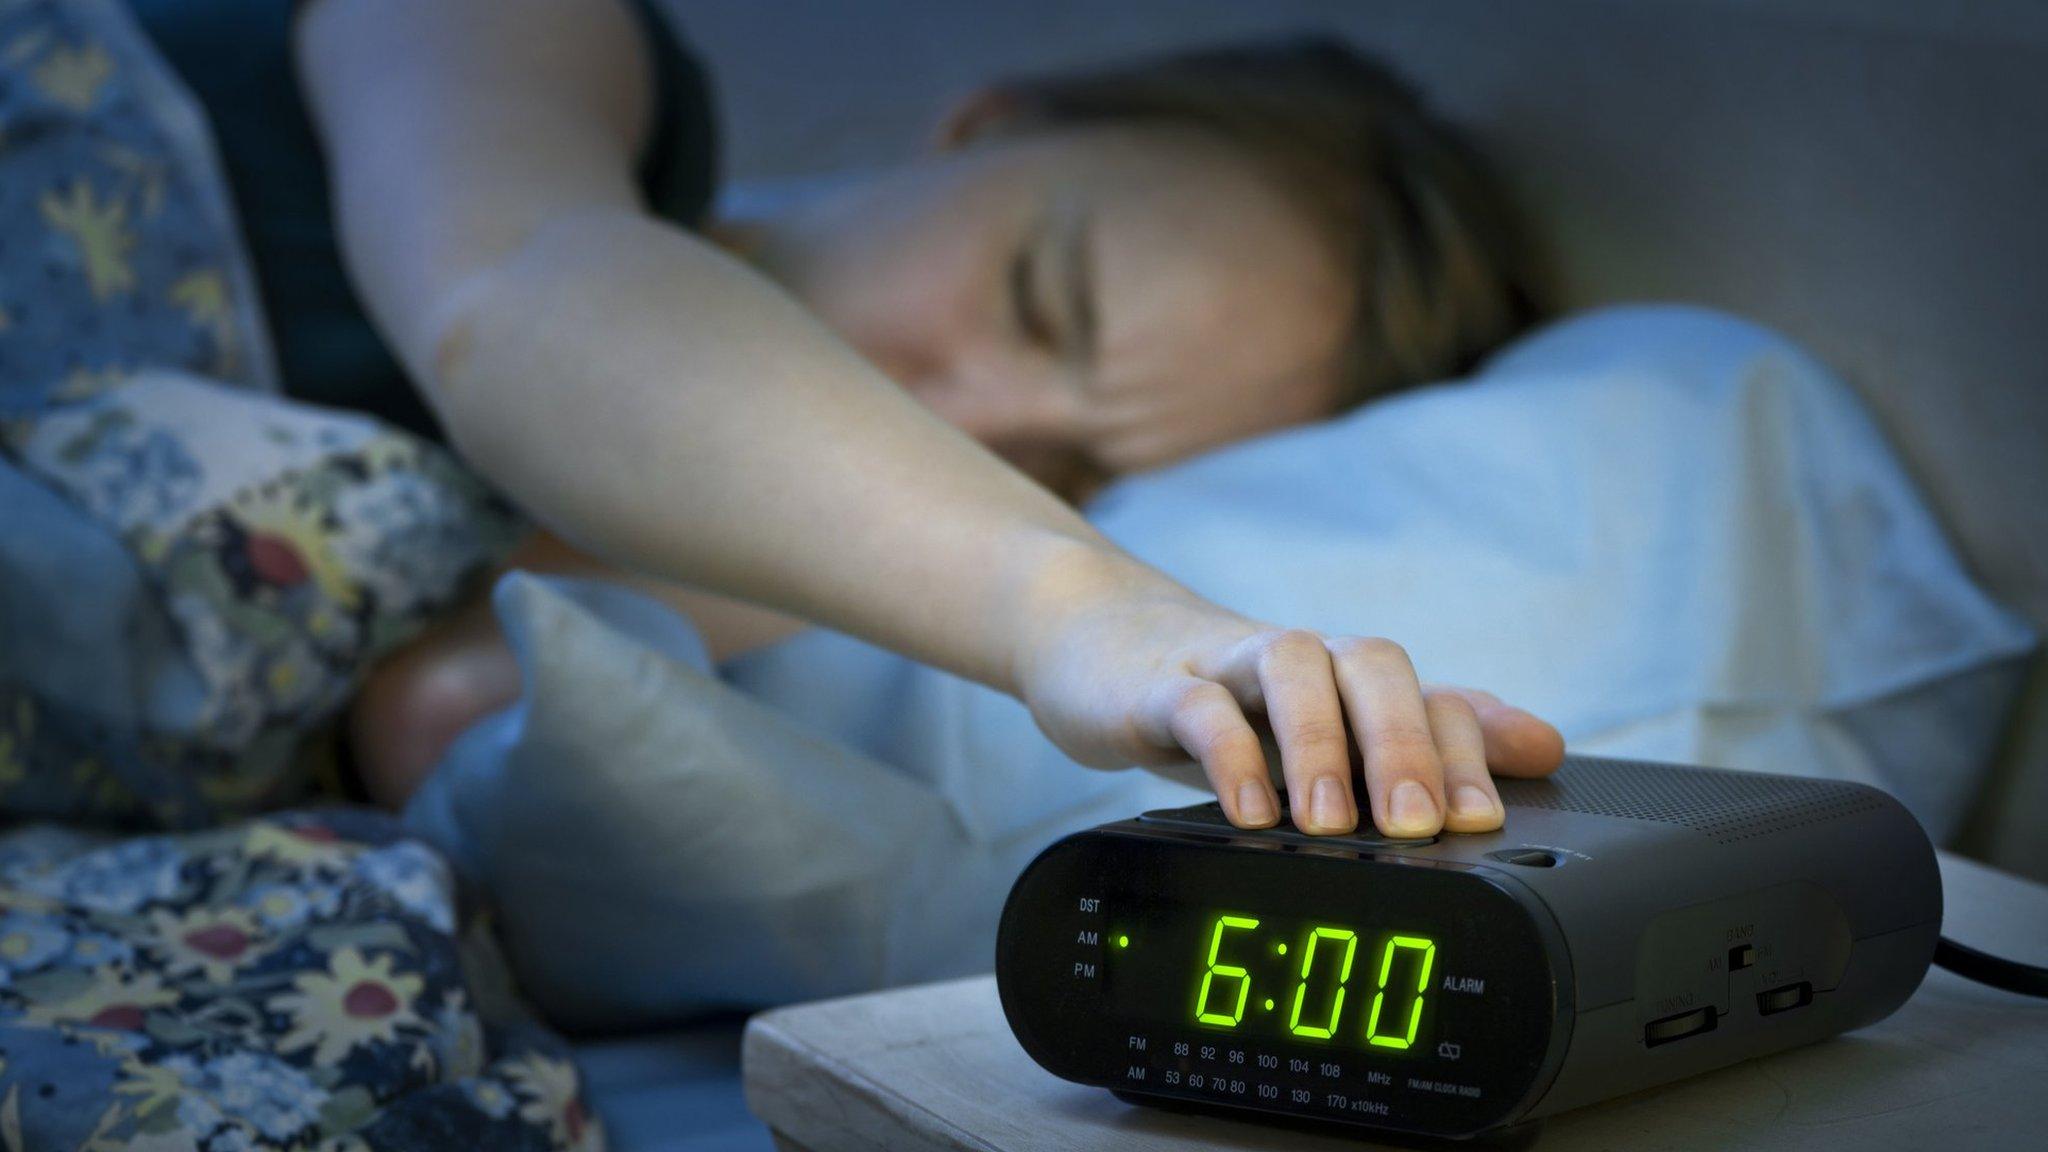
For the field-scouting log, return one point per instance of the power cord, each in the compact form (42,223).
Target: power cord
(1996,971)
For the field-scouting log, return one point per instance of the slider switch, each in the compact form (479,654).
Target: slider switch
(1678,1027)
(1784,999)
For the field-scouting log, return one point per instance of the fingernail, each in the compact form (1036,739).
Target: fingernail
(1471,800)
(1410,808)
(1326,804)
(1254,806)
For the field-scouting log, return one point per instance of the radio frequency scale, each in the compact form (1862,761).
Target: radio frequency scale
(1632,924)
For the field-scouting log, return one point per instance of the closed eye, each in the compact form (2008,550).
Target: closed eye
(1026,306)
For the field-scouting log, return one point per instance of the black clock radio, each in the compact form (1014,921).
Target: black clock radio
(1632,924)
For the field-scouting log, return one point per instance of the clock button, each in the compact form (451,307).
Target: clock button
(1210,818)
(1369,840)
(1527,857)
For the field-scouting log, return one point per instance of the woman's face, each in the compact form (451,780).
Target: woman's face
(1087,302)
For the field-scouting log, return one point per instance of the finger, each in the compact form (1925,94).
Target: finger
(1454,725)
(1518,743)
(1299,689)
(1204,718)
(1403,774)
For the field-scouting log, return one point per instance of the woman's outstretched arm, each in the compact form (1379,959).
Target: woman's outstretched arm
(647,397)
(659,404)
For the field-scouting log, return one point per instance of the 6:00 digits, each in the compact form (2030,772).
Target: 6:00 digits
(1334,948)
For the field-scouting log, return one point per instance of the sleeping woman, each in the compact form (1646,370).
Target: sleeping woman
(869,403)
(860,403)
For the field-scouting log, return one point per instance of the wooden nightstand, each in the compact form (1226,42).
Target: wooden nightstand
(935,1067)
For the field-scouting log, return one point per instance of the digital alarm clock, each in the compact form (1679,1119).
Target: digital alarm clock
(1632,924)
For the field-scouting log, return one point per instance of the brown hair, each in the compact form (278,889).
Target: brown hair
(1443,270)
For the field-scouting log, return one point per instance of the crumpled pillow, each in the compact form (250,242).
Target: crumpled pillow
(660,846)
(193,576)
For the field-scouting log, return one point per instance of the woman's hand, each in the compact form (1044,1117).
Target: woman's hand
(1124,667)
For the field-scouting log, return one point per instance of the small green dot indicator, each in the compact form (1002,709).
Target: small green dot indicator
(1281,948)
(1123,941)
(1269,1004)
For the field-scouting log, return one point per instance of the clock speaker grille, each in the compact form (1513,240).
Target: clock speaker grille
(1727,805)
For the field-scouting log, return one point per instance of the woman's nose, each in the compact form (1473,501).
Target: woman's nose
(990,400)
(947,393)
(904,364)
(977,411)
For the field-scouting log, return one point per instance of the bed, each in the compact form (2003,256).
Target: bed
(1863,175)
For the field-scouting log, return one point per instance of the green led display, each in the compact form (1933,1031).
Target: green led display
(1227,971)
(1321,981)
(1328,1028)
(1427,947)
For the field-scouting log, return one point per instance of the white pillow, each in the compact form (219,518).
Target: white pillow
(660,846)
(1669,531)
